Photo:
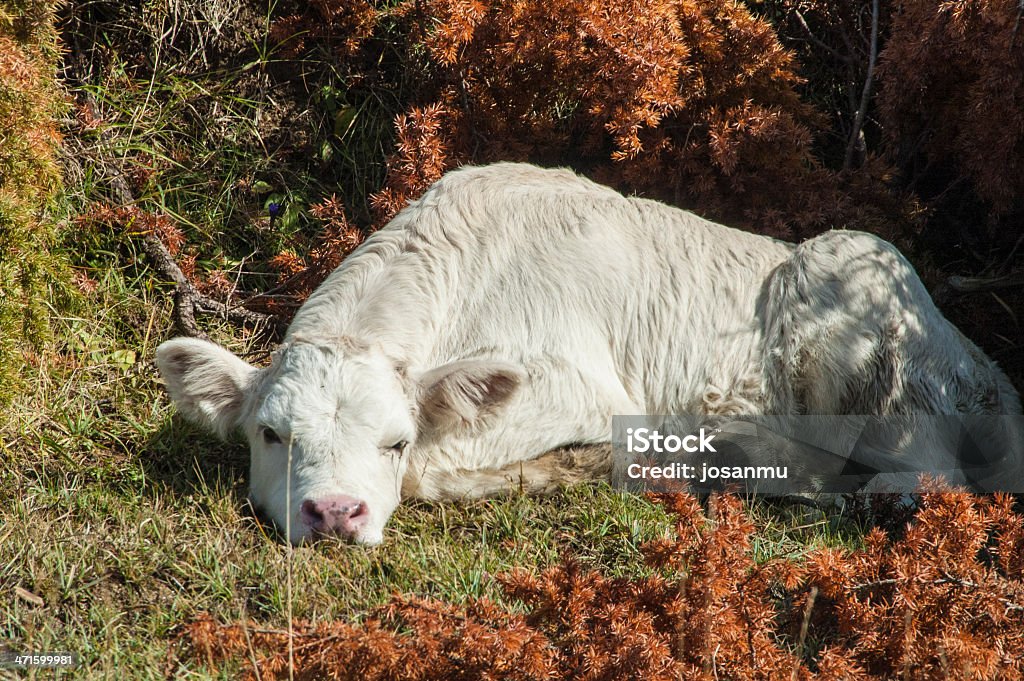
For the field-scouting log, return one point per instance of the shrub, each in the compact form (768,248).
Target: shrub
(951,95)
(29,179)
(689,101)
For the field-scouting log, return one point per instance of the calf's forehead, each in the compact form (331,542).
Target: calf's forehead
(322,381)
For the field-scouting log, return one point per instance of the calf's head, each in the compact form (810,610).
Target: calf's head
(346,415)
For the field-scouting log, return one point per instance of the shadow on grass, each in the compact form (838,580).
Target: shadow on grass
(186,461)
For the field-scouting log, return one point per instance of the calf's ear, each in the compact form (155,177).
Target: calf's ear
(465,394)
(206,382)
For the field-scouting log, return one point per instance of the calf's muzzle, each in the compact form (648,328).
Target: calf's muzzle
(338,515)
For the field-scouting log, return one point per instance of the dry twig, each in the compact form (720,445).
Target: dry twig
(189,302)
(982,284)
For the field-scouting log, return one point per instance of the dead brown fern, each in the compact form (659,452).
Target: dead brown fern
(299,276)
(952,93)
(944,601)
(694,102)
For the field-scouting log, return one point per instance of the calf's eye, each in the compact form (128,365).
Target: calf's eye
(399,447)
(270,437)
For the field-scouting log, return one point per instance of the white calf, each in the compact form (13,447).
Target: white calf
(513,310)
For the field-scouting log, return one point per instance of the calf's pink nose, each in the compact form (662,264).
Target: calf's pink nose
(337,514)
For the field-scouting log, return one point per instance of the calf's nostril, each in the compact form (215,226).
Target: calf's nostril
(311,513)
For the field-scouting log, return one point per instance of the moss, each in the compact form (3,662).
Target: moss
(30,181)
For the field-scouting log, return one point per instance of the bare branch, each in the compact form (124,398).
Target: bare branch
(846,58)
(983,284)
(1016,24)
(188,300)
(865,97)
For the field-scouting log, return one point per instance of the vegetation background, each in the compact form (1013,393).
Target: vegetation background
(203,165)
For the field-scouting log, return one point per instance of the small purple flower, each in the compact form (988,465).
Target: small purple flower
(274,209)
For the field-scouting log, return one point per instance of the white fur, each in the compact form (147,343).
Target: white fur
(513,310)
